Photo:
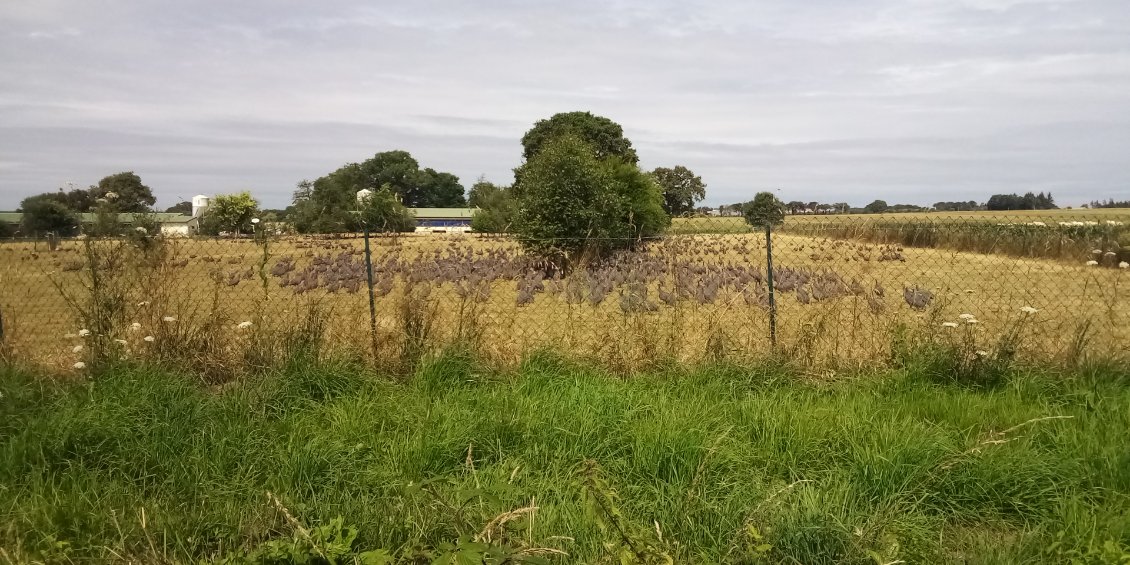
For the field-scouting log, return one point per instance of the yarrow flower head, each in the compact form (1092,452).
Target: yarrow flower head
(949,325)
(1092,263)
(120,341)
(141,230)
(134,327)
(169,319)
(967,316)
(77,348)
(982,353)
(80,365)
(1029,310)
(971,321)
(143,303)
(1124,265)
(83,332)
(111,196)
(244,325)
(149,339)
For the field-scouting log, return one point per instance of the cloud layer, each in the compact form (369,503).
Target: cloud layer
(909,101)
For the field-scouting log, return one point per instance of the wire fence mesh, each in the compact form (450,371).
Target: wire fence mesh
(842,288)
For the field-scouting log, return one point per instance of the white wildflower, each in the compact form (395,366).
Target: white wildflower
(1029,310)
(143,303)
(1092,263)
(1091,223)
(80,365)
(134,327)
(80,236)
(1114,223)
(949,325)
(83,332)
(1040,224)
(971,321)
(244,325)
(255,220)
(1096,252)
(967,316)
(982,353)
(149,339)
(1124,265)
(111,195)
(76,349)
(120,341)
(169,319)
(141,230)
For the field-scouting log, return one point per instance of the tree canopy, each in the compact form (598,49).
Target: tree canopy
(605,136)
(45,213)
(876,207)
(496,207)
(328,204)
(381,211)
(129,194)
(764,210)
(682,189)
(574,205)
(230,213)
(182,207)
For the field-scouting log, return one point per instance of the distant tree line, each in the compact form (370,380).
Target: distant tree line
(1029,201)
(1109,203)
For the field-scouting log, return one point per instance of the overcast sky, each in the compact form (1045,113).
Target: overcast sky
(906,100)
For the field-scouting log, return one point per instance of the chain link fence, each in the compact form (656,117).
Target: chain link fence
(841,289)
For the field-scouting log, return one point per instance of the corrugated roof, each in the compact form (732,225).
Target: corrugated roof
(444,213)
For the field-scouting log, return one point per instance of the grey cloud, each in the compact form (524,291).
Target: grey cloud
(916,101)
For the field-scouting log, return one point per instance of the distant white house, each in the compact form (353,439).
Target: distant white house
(179,225)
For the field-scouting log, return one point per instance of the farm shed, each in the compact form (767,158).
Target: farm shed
(443,220)
(173,225)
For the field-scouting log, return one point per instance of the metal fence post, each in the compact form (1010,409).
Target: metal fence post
(769,282)
(372,298)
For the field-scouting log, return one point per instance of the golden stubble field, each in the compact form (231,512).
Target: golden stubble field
(687,297)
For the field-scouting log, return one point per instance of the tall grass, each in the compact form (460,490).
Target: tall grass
(1067,240)
(728,463)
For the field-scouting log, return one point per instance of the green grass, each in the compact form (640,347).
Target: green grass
(722,464)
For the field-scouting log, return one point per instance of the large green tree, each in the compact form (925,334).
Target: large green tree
(574,205)
(496,207)
(605,136)
(230,213)
(45,213)
(329,203)
(764,210)
(682,189)
(876,207)
(382,211)
(182,207)
(126,191)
